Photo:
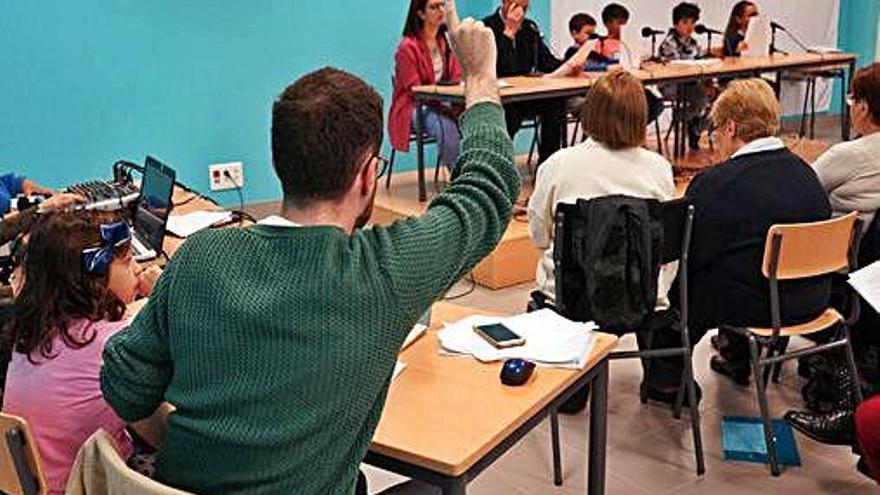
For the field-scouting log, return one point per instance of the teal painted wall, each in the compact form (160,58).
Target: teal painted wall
(88,82)
(857,33)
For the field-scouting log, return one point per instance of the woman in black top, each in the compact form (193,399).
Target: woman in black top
(761,184)
(735,34)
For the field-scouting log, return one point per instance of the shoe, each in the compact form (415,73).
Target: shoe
(718,342)
(669,397)
(836,428)
(738,374)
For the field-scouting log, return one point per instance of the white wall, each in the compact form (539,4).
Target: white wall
(814,21)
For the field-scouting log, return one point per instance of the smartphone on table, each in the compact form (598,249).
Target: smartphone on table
(499,336)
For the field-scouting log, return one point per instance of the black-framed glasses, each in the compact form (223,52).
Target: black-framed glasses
(384,165)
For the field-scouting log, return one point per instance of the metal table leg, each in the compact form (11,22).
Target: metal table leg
(455,486)
(557,455)
(420,145)
(845,128)
(598,431)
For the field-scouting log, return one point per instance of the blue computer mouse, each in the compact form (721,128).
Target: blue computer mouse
(516,372)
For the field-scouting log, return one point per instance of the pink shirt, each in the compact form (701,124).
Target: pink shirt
(62,402)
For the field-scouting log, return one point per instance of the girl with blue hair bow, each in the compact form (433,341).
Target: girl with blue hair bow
(78,278)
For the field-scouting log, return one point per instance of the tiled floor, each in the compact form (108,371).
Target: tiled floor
(650,452)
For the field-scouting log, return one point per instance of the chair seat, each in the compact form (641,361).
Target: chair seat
(826,320)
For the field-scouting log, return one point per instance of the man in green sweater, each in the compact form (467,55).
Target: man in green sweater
(276,342)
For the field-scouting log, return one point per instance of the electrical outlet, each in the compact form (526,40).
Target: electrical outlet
(219,176)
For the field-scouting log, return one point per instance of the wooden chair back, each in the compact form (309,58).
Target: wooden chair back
(804,250)
(20,471)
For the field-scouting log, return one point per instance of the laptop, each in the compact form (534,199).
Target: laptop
(152,209)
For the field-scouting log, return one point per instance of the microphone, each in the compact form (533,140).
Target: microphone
(647,32)
(597,36)
(776,25)
(701,29)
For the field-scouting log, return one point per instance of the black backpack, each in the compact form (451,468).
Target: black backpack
(607,253)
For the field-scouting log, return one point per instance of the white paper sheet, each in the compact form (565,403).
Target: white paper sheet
(551,340)
(190,223)
(867,283)
(758,37)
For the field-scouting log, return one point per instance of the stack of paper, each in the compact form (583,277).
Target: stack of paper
(867,283)
(190,223)
(551,340)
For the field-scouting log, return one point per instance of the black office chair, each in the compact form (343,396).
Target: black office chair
(677,219)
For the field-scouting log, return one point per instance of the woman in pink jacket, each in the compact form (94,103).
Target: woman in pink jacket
(425,57)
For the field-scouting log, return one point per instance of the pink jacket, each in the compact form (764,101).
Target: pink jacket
(413,67)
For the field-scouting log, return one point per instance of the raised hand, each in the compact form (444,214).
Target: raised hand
(474,45)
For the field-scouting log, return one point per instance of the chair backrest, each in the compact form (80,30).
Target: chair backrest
(20,471)
(678,218)
(579,250)
(803,250)
(99,470)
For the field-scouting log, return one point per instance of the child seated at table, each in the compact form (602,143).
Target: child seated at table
(609,47)
(79,276)
(680,44)
(582,27)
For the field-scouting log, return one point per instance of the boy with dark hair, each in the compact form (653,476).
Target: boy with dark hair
(614,17)
(581,26)
(680,44)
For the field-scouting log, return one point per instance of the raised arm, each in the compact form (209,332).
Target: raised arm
(422,257)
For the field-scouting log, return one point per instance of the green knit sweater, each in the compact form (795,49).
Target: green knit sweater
(277,344)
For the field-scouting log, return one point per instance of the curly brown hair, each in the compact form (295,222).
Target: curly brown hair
(56,289)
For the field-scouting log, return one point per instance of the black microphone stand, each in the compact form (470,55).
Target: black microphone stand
(536,48)
(654,57)
(773,49)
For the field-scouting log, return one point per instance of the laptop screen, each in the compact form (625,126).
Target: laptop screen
(154,203)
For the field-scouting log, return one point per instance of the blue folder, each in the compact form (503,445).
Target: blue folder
(742,439)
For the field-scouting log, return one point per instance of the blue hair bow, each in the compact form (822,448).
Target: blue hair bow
(113,236)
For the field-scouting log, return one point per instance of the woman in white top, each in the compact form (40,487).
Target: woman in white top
(612,161)
(850,171)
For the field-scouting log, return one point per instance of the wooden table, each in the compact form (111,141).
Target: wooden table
(447,419)
(537,88)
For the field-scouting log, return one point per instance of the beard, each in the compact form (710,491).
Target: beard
(365,215)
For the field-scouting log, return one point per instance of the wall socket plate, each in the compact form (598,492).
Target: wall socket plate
(218,179)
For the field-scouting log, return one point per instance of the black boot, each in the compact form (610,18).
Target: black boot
(836,428)
(739,374)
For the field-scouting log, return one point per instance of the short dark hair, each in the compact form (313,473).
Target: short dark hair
(866,87)
(614,12)
(685,10)
(322,125)
(578,21)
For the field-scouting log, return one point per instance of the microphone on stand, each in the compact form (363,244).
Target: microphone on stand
(539,38)
(702,29)
(648,32)
(775,26)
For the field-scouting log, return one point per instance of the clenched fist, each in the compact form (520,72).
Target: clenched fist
(474,45)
